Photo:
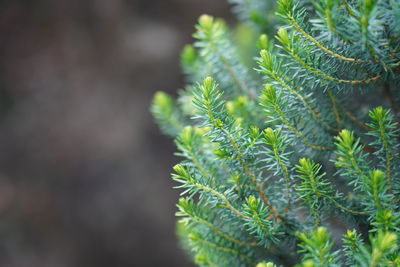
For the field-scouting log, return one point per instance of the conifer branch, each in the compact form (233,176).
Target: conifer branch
(367,8)
(164,110)
(241,173)
(183,176)
(296,132)
(199,239)
(277,146)
(251,175)
(348,9)
(260,223)
(314,189)
(382,123)
(375,182)
(186,206)
(270,67)
(352,245)
(207,100)
(287,9)
(382,245)
(186,142)
(287,42)
(270,98)
(319,246)
(221,197)
(350,156)
(320,46)
(340,206)
(327,12)
(213,42)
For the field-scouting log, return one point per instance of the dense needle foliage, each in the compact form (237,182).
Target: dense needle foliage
(291,158)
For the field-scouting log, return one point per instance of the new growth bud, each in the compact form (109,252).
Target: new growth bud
(263,42)
(265,264)
(283,37)
(206,21)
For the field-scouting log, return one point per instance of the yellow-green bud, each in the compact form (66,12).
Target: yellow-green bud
(208,82)
(267,58)
(269,95)
(283,37)
(183,202)
(322,235)
(163,101)
(254,132)
(308,263)
(306,165)
(179,169)
(252,202)
(206,21)
(376,176)
(263,42)
(378,114)
(350,234)
(242,100)
(218,123)
(201,259)
(220,153)
(271,136)
(265,264)
(387,241)
(194,237)
(346,137)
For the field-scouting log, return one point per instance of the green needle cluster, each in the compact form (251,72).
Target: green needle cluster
(288,130)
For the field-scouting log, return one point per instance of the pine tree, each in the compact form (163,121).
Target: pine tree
(291,158)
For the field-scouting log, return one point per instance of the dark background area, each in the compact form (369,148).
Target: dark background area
(84,171)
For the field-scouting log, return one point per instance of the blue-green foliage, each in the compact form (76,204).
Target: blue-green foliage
(295,161)
(257,14)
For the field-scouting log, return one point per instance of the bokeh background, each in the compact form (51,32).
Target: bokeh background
(84,171)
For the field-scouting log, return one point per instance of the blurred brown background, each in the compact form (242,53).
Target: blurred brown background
(84,172)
